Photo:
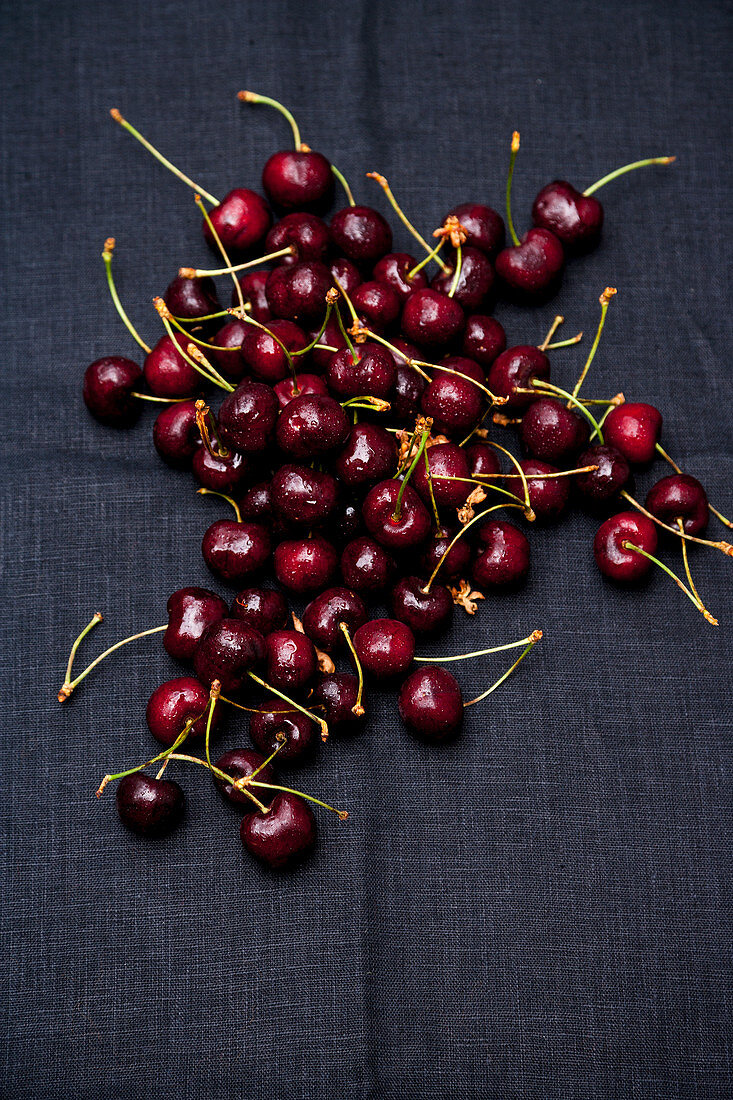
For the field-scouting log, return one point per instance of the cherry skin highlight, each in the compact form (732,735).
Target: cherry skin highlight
(446,460)
(190,298)
(372,374)
(241,221)
(517,368)
(311,425)
(361,233)
(176,435)
(475,282)
(290,660)
(275,716)
(234,550)
(615,560)
(485,228)
(337,693)
(679,496)
(253,285)
(456,562)
(298,179)
(368,457)
(284,835)
(297,292)
(191,611)
(431,319)
(409,528)
(263,354)
(385,647)
(532,269)
(306,234)
(167,374)
(393,270)
(228,353)
(552,432)
(304,565)
(223,475)
(549,497)
(574,218)
(264,609)
(107,391)
(634,429)
(601,485)
(247,417)
(287,390)
(323,616)
(226,652)
(301,495)
(366,566)
(483,339)
(424,613)
(482,459)
(431,703)
(175,703)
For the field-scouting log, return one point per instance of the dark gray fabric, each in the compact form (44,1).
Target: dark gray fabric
(538,910)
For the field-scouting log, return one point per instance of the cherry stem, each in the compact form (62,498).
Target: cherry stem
(604,299)
(214,379)
(688,574)
(159,156)
(397,514)
(414,363)
(240,706)
(109,245)
(164,755)
(68,686)
(198,273)
(269,687)
(528,511)
(459,535)
(457,275)
(220,246)
(626,168)
(564,343)
(330,303)
(341,324)
(280,745)
(254,97)
(534,638)
(650,557)
(660,450)
(207,428)
(510,175)
(343,814)
(548,387)
(159,400)
(559,320)
(204,316)
(602,419)
(482,485)
(429,476)
(357,708)
(229,500)
(432,253)
(197,354)
(451,370)
(342,180)
(240,786)
(96,618)
(726,547)
(214,693)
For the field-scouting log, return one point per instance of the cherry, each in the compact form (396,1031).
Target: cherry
(228,341)
(150,807)
(369,456)
(366,566)
(455,562)
(167,373)
(222,475)
(337,693)
(516,369)
(175,703)
(298,179)
(614,559)
(264,354)
(290,388)
(424,612)
(311,425)
(503,556)
(598,486)
(552,432)
(297,292)
(483,339)
(475,281)
(346,522)
(302,495)
(274,716)
(257,502)
(253,285)
(533,268)
(348,275)
(175,433)
(431,319)
(305,564)
(264,609)
(189,299)
(247,416)
(679,496)
(372,374)
(323,616)
(482,459)
(396,526)
(576,219)
(446,460)
(226,652)
(393,271)
(306,234)
(240,764)
(385,647)
(108,389)
(454,403)
(485,228)
(361,233)
(548,497)
(282,836)
(431,703)
(634,429)
(290,659)
(409,387)
(377,303)
(233,550)
(241,221)
(191,611)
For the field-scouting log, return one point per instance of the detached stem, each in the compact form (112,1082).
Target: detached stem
(253,97)
(67,688)
(535,638)
(626,168)
(510,176)
(342,180)
(197,272)
(604,299)
(109,245)
(159,156)
(96,618)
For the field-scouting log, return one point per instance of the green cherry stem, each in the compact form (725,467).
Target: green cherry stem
(548,387)
(229,500)
(207,428)
(533,637)
(450,370)
(198,273)
(96,618)
(528,511)
(533,642)
(397,513)
(342,180)
(357,708)
(159,156)
(220,246)
(510,176)
(604,299)
(626,168)
(109,246)
(214,693)
(725,547)
(309,714)
(214,378)
(253,97)
(564,343)
(432,253)
(69,686)
(164,755)
(429,477)
(668,458)
(343,814)
(212,768)
(650,557)
(414,363)
(457,275)
(459,535)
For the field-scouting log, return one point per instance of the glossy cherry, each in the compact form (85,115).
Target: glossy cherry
(454,403)
(431,319)
(264,609)
(175,434)
(431,703)
(298,179)
(226,652)
(502,560)
(290,659)
(345,523)
(282,836)
(253,286)
(167,373)
(475,282)
(241,221)
(598,486)
(483,339)
(305,564)
(446,461)
(107,391)
(372,374)
(366,566)
(190,298)
(191,611)
(361,233)
(150,807)
(485,228)
(456,562)
(323,616)
(409,387)
(424,612)
(614,559)
(533,268)
(377,304)
(311,425)
(234,550)
(240,764)
(223,475)
(548,497)
(679,496)
(368,456)
(263,352)
(302,495)
(517,368)
(228,353)
(332,337)
(337,693)
(306,234)
(393,528)
(290,388)
(482,459)
(393,270)
(634,429)
(247,417)
(348,275)
(297,292)
(552,432)
(385,647)
(576,219)
(175,703)
(274,716)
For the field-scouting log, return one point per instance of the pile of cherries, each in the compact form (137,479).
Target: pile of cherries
(353,446)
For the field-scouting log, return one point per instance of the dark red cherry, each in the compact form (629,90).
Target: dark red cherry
(484,226)
(290,659)
(302,495)
(576,219)
(256,502)
(282,836)
(287,390)
(368,457)
(337,693)
(431,319)
(396,531)
(548,497)
(514,369)
(306,564)
(311,425)
(483,339)
(456,562)
(454,403)
(424,612)
(475,282)
(175,703)
(345,523)
(167,373)
(298,179)
(191,298)
(241,221)
(247,416)
(297,292)
(447,460)
(264,354)
(275,716)
(306,234)
(679,496)
(265,609)
(233,550)
(107,392)
(482,459)
(191,611)
(431,703)
(252,285)
(239,764)
(226,652)
(385,647)
(614,559)
(176,435)
(323,616)
(361,233)
(502,560)
(347,274)
(604,483)
(634,429)
(366,566)
(377,303)
(150,807)
(552,432)
(408,390)
(372,374)
(532,269)
(228,341)
(223,475)
(392,270)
